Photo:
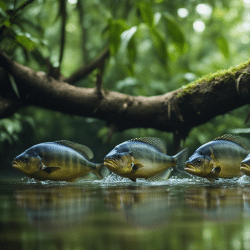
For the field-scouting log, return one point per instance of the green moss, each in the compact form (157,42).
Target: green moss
(227,75)
(186,89)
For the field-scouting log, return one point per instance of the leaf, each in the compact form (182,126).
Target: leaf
(147,13)
(3,9)
(127,83)
(160,46)
(116,28)
(174,31)
(3,6)
(7,23)
(223,46)
(14,86)
(25,41)
(128,44)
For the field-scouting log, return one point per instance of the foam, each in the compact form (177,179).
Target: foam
(116,180)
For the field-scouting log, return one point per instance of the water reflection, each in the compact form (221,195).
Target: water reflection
(55,208)
(246,200)
(216,204)
(141,207)
(122,217)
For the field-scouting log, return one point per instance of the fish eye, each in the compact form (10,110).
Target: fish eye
(198,161)
(25,159)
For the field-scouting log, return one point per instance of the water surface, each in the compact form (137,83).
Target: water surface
(116,213)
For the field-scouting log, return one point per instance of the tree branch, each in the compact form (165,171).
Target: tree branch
(84,71)
(176,111)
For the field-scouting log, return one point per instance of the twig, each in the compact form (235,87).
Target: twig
(84,71)
(63,29)
(22,6)
(81,7)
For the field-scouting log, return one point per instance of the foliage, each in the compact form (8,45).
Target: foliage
(156,46)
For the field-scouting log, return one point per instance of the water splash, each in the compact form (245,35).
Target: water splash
(32,181)
(116,180)
(244,180)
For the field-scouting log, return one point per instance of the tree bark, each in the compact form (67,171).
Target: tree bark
(177,111)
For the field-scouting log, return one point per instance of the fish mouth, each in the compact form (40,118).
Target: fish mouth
(113,166)
(15,164)
(191,169)
(245,169)
(110,164)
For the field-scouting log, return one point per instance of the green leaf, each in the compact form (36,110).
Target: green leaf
(116,27)
(223,46)
(14,86)
(25,41)
(126,84)
(7,23)
(160,45)
(3,6)
(128,43)
(147,13)
(174,31)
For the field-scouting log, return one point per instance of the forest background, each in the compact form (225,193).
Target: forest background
(143,48)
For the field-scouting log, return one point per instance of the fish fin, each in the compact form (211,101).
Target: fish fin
(134,180)
(214,173)
(181,158)
(82,149)
(137,166)
(153,141)
(50,170)
(134,167)
(101,171)
(216,170)
(162,176)
(243,142)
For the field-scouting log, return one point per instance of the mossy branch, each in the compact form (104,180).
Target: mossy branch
(176,111)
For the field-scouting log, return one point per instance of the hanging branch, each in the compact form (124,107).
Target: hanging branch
(63,13)
(80,8)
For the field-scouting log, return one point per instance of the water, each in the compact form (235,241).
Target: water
(115,213)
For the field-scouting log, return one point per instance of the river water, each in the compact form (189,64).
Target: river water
(115,213)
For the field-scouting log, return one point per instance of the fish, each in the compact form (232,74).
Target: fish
(245,165)
(219,158)
(144,158)
(58,161)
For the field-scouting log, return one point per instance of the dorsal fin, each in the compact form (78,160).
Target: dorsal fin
(81,149)
(243,142)
(153,141)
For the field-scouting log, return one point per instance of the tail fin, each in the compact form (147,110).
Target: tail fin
(101,171)
(181,158)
